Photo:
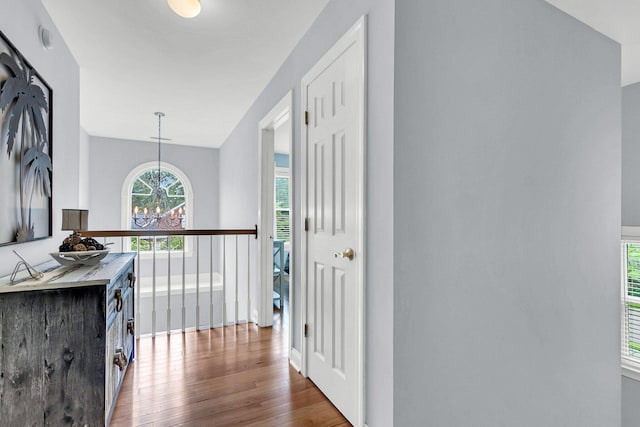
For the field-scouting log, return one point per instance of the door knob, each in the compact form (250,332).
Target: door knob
(348,253)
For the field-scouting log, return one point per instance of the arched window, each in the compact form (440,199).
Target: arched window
(157,202)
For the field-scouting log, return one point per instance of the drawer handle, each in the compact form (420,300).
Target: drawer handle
(120,359)
(132,280)
(131,326)
(118,300)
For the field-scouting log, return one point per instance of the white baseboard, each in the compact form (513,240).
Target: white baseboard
(296,360)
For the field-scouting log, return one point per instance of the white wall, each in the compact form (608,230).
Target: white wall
(19,21)
(630,216)
(111,160)
(507,217)
(239,176)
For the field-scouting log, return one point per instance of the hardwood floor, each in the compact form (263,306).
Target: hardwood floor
(233,376)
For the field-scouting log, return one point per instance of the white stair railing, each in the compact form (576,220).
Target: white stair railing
(167,283)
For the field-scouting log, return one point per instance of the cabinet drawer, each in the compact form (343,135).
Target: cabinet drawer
(128,324)
(114,342)
(116,294)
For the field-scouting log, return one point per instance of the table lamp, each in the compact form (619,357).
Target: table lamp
(75,220)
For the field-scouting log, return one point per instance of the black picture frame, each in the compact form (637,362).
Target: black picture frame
(26,149)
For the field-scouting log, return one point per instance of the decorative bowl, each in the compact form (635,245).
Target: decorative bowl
(82,257)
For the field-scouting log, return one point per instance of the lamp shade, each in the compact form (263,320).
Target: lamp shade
(75,219)
(185,8)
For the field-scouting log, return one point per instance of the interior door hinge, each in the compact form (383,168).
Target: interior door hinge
(306,330)
(306,118)
(306,224)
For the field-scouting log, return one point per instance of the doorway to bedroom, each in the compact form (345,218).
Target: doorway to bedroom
(276,219)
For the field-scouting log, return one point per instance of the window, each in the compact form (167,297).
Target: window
(281,204)
(157,202)
(166,200)
(631,304)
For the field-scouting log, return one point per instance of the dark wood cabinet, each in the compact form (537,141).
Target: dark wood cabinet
(66,341)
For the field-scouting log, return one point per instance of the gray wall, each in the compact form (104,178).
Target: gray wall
(631,155)
(239,176)
(506,217)
(630,216)
(630,402)
(111,160)
(83,169)
(19,21)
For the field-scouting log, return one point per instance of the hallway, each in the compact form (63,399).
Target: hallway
(233,376)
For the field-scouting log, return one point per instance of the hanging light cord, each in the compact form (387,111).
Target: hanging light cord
(159,114)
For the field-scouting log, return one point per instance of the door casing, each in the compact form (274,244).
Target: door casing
(265,212)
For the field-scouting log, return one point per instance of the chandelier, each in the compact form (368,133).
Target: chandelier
(173,219)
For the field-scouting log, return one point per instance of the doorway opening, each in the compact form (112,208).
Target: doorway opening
(276,217)
(282,220)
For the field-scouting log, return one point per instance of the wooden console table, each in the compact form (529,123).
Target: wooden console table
(66,341)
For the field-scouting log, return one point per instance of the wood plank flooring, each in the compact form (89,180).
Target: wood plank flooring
(233,376)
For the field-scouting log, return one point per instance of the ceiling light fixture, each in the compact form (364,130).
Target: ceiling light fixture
(185,8)
(158,194)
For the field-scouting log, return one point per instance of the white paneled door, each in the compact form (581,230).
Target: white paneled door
(334,101)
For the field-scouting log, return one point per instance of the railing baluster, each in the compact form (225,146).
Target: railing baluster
(224,281)
(197,283)
(168,285)
(153,292)
(248,279)
(184,313)
(210,282)
(237,303)
(148,307)
(139,285)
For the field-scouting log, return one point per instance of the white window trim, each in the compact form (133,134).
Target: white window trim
(630,369)
(630,234)
(127,209)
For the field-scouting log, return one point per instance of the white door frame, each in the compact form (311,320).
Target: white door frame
(356,34)
(266,174)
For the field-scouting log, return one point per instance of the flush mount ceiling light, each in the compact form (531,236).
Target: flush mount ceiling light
(185,8)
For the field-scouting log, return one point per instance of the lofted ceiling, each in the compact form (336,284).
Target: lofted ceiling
(138,57)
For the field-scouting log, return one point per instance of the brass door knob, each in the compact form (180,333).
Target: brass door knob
(347,253)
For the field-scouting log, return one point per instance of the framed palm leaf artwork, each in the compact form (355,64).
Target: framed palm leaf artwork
(25,149)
